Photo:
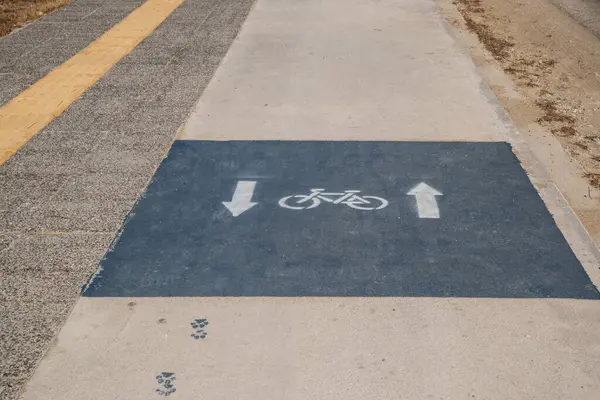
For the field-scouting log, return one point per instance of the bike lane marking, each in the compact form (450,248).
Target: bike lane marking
(350,198)
(341,219)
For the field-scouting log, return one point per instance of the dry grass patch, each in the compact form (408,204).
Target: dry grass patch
(16,13)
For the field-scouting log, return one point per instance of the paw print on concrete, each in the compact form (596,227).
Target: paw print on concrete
(166,383)
(198,326)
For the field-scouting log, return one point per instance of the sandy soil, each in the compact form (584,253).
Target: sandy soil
(544,67)
(16,13)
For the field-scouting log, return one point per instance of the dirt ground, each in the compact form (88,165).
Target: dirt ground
(556,69)
(552,63)
(16,13)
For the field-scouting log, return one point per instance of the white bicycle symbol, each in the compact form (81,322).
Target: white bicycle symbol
(349,198)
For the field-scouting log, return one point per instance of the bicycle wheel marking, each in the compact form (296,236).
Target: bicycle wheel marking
(268,218)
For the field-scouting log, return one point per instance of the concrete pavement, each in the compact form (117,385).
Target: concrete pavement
(338,348)
(323,71)
(312,71)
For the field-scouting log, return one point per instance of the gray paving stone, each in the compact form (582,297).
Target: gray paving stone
(145,116)
(51,141)
(41,61)
(18,189)
(71,14)
(85,4)
(10,388)
(105,106)
(190,16)
(9,217)
(30,36)
(125,82)
(32,324)
(76,118)
(104,3)
(229,16)
(170,41)
(6,241)
(129,152)
(52,152)
(107,159)
(130,76)
(146,54)
(207,47)
(11,84)
(113,11)
(45,162)
(200,60)
(61,253)
(146,141)
(113,4)
(180,87)
(71,216)
(89,30)
(9,53)
(102,186)
(35,287)
(91,10)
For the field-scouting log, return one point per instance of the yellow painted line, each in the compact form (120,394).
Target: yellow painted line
(38,105)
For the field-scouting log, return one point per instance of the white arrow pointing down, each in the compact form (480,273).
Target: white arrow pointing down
(426,201)
(242,198)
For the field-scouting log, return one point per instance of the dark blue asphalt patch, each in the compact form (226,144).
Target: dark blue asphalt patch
(493,238)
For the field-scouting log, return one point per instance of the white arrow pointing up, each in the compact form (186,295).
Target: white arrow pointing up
(242,197)
(426,202)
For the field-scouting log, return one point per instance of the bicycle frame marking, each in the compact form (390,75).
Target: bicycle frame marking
(349,198)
